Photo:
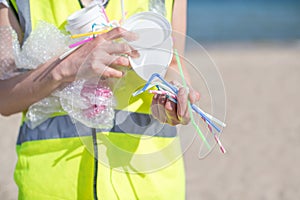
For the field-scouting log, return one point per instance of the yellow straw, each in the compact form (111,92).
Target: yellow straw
(89,33)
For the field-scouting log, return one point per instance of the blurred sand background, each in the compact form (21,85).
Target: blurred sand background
(262,138)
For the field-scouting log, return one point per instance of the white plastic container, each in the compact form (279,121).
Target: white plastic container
(82,20)
(154,44)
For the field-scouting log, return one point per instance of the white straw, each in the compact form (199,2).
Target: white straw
(122,10)
(213,118)
(64,55)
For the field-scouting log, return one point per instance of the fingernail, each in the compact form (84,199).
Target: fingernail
(182,92)
(135,54)
(192,97)
(163,99)
(133,36)
(168,105)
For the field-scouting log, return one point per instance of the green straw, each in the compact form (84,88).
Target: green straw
(189,104)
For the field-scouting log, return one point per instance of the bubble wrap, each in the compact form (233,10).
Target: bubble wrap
(7,64)
(39,112)
(90,103)
(44,43)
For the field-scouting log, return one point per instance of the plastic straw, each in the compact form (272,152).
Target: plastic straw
(175,90)
(67,53)
(104,13)
(162,92)
(190,112)
(213,118)
(89,33)
(122,10)
(189,104)
(80,42)
(220,144)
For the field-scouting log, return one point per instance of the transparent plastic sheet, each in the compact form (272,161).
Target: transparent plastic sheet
(8,68)
(42,110)
(90,103)
(203,76)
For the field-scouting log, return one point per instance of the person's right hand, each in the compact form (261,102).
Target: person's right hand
(98,57)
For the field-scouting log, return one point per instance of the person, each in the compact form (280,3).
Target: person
(54,161)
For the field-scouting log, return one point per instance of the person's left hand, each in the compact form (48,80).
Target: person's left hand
(166,111)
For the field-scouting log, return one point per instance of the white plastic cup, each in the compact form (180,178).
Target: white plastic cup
(83,20)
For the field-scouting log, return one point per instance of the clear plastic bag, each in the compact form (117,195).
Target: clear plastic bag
(89,103)
(40,111)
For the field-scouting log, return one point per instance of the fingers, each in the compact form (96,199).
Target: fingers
(161,110)
(175,113)
(120,61)
(157,108)
(102,63)
(100,56)
(110,72)
(164,110)
(194,96)
(119,32)
(107,53)
(171,112)
(121,48)
(182,106)
(182,102)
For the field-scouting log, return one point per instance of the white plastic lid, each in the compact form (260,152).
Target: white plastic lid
(153,29)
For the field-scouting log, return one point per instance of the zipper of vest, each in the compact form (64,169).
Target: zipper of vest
(95,163)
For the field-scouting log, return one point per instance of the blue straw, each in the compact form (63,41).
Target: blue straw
(175,90)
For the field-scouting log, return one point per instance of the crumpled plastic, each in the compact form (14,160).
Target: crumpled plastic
(89,103)
(44,43)
(8,67)
(42,110)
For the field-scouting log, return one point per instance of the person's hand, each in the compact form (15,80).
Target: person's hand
(98,57)
(166,111)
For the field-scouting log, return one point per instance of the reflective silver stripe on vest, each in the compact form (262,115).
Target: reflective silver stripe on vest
(125,122)
(24,16)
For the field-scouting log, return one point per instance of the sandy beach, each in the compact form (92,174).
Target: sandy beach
(262,137)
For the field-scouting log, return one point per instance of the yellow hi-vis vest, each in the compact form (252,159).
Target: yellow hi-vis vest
(139,158)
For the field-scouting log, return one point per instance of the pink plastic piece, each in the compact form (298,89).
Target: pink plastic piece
(90,92)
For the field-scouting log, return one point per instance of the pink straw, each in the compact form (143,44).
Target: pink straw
(81,42)
(220,144)
(105,15)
